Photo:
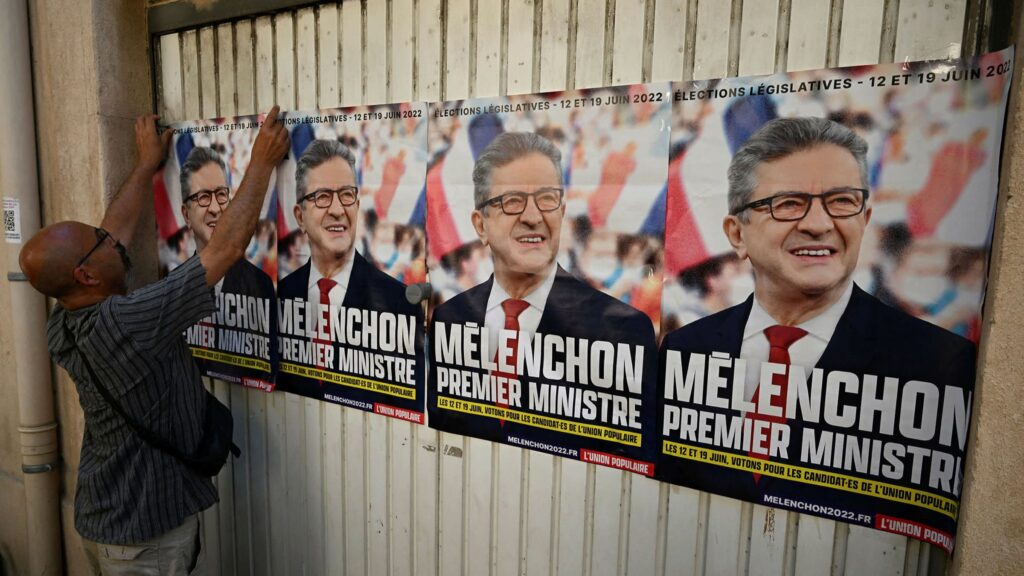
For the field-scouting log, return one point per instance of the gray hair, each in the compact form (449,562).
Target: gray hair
(199,156)
(505,149)
(317,153)
(780,138)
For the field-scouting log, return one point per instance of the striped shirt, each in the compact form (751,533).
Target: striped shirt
(129,491)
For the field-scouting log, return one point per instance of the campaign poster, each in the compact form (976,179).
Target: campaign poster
(826,254)
(206,163)
(350,238)
(545,218)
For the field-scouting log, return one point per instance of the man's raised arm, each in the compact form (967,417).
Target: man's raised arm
(122,214)
(238,223)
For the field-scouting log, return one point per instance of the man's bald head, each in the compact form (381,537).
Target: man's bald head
(49,258)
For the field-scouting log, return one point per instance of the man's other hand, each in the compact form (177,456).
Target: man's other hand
(271,142)
(152,147)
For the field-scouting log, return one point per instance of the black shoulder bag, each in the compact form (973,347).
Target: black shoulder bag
(212,451)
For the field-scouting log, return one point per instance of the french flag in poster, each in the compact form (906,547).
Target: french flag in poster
(449,194)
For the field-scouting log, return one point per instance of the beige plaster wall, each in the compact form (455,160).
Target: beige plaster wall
(91,70)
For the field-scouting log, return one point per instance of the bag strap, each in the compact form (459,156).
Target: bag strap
(147,435)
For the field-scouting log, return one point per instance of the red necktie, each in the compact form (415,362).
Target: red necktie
(780,338)
(512,308)
(325,285)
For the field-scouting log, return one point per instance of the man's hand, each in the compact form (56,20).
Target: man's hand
(152,147)
(122,214)
(271,142)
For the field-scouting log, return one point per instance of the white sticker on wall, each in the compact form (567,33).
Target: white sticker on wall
(12,221)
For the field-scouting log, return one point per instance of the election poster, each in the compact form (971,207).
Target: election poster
(207,161)
(545,218)
(827,245)
(350,238)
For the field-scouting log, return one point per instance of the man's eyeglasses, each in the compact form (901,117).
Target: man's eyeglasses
(101,237)
(205,197)
(322,198)
(513,203)
(792,206)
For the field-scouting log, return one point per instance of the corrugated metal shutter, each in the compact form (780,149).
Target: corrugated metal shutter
(323,490)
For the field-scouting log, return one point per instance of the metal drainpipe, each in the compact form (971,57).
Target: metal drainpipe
(19,180)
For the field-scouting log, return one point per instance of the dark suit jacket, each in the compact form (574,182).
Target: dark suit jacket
(368,289)
(245,278)
(870,338)
(573,309)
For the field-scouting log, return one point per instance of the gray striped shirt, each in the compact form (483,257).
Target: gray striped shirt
(128,491)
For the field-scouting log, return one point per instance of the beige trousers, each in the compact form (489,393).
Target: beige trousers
(179,552)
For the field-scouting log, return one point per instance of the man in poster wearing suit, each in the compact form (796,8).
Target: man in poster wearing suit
(798,207)
(518,192)
(327,211)
(205,195)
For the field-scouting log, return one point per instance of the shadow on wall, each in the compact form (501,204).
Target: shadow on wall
(5,562)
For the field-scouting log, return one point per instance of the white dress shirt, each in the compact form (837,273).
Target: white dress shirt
(337,294)
(529,319)
(804,352)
